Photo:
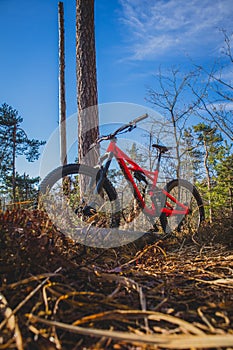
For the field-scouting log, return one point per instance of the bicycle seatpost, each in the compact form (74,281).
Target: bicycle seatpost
(159,160)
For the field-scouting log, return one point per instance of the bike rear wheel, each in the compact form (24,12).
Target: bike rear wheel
(75,211)
(187,194)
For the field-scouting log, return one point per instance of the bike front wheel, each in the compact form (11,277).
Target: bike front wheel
(187,194)
(67,194)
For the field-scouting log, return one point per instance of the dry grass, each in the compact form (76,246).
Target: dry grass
(56,294)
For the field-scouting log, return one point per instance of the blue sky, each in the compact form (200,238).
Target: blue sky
(133,38)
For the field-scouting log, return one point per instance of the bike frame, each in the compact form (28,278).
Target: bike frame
(128,166)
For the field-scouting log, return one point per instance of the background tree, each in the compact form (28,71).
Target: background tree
(217,94)
(14,142)
(26,188)
(210,141)
(224,181)
(169,98)
(86,80)
(62,96)
(195,154)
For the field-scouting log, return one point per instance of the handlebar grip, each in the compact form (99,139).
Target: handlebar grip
(140,118)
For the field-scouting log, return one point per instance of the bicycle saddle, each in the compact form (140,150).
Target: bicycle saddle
(162,149)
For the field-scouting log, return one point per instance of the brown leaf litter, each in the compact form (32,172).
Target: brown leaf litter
(56,294)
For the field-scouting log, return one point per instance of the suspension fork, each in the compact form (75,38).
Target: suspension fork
(102,173)
(90,208)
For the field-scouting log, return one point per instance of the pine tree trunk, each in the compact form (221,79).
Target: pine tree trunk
(177,145)
(230,190)
(62,99)
(208,181)
(86,80)
(13,163)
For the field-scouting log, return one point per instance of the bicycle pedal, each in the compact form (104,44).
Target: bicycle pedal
(89,210)
(155,228)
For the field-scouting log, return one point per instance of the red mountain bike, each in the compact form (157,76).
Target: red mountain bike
(176,206)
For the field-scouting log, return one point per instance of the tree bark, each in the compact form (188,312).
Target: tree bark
(88,122)
(208,181)
(13,163)
(62,97)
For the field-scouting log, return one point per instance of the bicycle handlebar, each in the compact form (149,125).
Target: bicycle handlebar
(139,119)
(131,125)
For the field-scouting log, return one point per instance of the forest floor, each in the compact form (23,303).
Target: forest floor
(176,293)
